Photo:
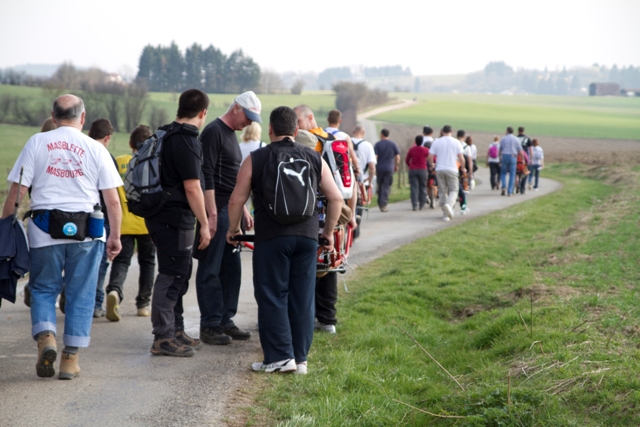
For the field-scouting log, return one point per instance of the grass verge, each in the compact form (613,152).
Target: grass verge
(532,310)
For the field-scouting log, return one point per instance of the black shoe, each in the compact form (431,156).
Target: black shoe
(63,301)
(171,347)
(503,192)
(185,339)
(237,333)
(214,336)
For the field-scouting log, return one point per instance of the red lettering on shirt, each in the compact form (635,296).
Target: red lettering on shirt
(64,173)
(63,145)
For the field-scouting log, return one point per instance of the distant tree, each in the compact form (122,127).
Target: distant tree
(416,85)
(67,75)
(158,117)
(146,65)
(387,71)
(297,87)
(575,85)
(112,99)
(333,75)
(499,68)
(241,73)
(614,74)
(134,103)
(194,67)
(561,86)
(270,82)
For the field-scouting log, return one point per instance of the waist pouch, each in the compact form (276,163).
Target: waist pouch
(62,225)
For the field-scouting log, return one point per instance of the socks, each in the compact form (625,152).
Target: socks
(70,350)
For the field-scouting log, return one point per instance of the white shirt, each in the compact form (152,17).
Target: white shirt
(247,147)
(426,139)
(66,169)
(337,133)
(474,151)
(366,154)
(538,155)
(446,149)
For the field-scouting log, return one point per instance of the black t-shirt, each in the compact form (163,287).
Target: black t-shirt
(181,159)
(266,227)
(525,142)
(222,158)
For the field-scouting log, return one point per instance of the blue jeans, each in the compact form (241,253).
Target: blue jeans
(535,170)
(284,290)
(508,165)
(218,278)
(79,261)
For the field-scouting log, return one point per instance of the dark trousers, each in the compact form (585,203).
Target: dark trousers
(146,260)
(494,168)
(462,197)
(284,277)
(218,278)
(174,247)
(418,182)
(326,298)
(385,180)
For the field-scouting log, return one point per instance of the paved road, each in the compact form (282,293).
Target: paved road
(122,384)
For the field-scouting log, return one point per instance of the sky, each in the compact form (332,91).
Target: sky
(430,37)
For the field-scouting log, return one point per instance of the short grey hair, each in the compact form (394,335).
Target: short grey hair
(70,113)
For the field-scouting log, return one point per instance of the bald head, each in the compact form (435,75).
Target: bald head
(306,119)
(68,110)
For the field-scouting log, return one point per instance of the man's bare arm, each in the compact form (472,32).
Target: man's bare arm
(238,198)
(195,197)
(9,203)
(114,211)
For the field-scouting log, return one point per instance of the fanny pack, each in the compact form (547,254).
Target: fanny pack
(63,225)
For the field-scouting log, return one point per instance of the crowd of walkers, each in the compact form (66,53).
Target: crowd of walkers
(213,190)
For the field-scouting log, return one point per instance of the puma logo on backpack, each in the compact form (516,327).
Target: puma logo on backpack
(289,184)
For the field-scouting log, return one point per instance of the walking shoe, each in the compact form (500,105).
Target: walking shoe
(113,306)
(27,296)
(236,333)
(448,211)
(171,347)
(415,208)
(144,312)
(503,192)
(446,218)
(287,365)
(46,355)
(62,302)
(301,368)
(383,209)
(98,312)
(530,187)
(325,328)
(69,368)
(465,210)
(185,339)
(214,336)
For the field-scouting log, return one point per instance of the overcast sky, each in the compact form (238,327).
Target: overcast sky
(430,37)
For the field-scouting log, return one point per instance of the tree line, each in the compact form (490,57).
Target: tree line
(167,69)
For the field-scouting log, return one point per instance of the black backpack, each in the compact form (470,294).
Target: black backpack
(289,183)
(142,186)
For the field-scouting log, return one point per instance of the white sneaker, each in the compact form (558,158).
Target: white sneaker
(465,211)
(287,365)
(325,328)
(301,368)
(446,218)
(448,211)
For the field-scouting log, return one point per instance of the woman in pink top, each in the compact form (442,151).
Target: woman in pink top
(417,161)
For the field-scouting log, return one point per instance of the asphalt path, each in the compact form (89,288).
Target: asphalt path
(122,384)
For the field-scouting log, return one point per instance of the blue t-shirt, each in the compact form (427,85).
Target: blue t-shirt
(386,150)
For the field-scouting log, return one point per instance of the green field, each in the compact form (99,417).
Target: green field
(541,115)
(532,309)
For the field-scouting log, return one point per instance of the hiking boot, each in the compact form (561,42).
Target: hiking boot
(324,327)
(62,302)
(69,368)
(282,366)
(46,355)
(113,306)
(383,209)
(236,333)
(214,336)
(415,208)
(171,347)
(27,296)
(184,339)
(144,312)
(504,191)
(98,312)
(301,368)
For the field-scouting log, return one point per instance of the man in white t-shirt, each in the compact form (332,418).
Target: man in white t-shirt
(365,152)
(448,151)
(66,170)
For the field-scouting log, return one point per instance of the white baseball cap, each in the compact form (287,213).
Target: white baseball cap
(251,105)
